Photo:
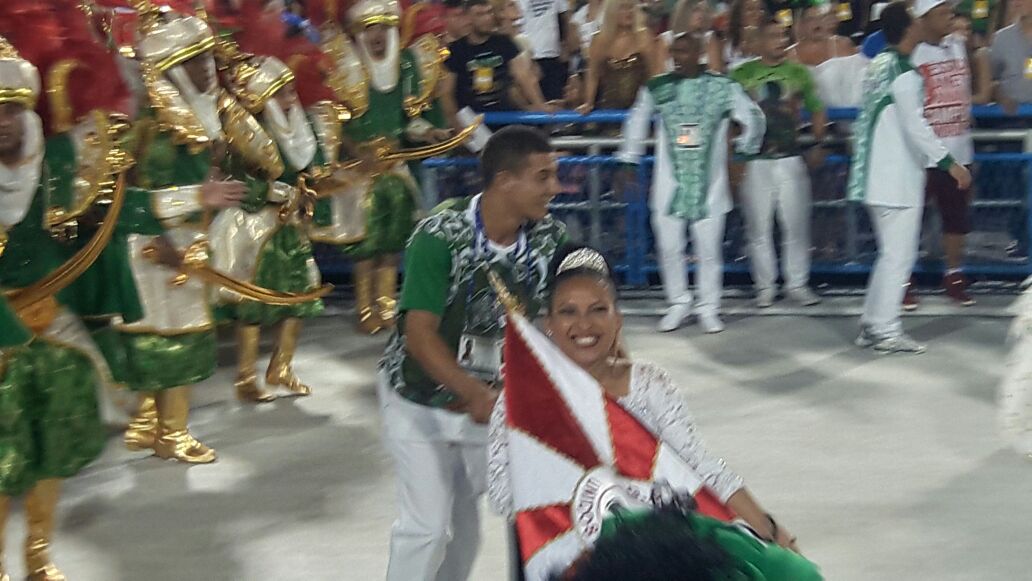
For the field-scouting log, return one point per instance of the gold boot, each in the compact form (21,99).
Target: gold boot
(40,504)
(5,507)
(246,384)
(368,318)
(387,292)
(143,427)
(175,442)
(280,371)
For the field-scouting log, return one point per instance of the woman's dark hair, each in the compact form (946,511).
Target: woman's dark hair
(660,546)
(557,278)
(896,21)
(734,21)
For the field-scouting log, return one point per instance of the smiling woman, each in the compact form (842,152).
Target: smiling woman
(584,321)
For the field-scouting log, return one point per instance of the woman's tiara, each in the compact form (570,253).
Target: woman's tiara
(588,258)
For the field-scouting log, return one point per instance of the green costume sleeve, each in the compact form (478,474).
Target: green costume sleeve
(427,268)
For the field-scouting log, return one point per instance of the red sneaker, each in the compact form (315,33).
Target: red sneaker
(910,302)
(956,288)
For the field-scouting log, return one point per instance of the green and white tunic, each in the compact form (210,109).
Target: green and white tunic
(446,274)
(893,143)
(691,156)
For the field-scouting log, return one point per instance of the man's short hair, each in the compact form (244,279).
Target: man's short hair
(509,148)
(895,21)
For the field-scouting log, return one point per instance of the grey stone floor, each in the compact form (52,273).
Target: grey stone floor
(885,467)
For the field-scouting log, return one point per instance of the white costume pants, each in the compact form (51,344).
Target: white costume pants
(898,231)
(778,187)
(707,242)
(440,462)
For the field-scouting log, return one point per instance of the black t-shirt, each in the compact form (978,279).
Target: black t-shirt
(482,79)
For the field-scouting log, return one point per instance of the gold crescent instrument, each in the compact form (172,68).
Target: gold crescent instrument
(23,298)
(385,155)
(195,264)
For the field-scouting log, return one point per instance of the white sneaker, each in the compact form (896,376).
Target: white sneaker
(899,344)
(711,323)
(803,295)
(765,298)
(675,315)
(866,338)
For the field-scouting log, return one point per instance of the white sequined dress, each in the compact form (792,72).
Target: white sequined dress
(656,402)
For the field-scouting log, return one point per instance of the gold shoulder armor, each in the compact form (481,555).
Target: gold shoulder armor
(430,56)
(171,111)
(248,139)
(328,122)
(348,77)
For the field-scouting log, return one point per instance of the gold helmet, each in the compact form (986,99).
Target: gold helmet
(19,79)
(167,43)
(366,13)
(255,80)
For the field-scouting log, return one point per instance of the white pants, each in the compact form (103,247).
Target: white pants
(898,231)
(440,463)
(707,242)
(781,187)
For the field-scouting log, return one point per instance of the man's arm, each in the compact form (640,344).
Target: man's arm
(423,300)
(520,70)
(750,117)
(448,101)
(908,94)
(425,345)
(636,128)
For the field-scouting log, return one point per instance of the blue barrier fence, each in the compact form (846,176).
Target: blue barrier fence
(618,219)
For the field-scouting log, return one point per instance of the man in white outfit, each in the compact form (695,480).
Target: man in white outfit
(777,181)
(440,375)
(699,139)
(894,144)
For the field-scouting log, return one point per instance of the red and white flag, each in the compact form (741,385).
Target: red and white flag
(574,452)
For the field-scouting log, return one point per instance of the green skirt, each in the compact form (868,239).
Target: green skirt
(50,424)
(389,222)
(283,265)
(150,362)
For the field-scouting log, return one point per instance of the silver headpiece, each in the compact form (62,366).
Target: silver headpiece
(584,258)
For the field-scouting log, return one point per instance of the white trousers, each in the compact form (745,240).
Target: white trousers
(707,242)
(440,478)
(778,187)
(898,231)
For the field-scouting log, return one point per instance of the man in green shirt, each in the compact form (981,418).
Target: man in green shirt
(440,375)
(777,180)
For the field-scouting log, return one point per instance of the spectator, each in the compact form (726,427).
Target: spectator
(482,68)
(833,61)
(548,28)
(942,61)
(587,20)
(507,15)
(978,60)
(984,17)
(1011,61)
(875,41)
(620,58)
(777,182)
(457,21)
(744,30)
(692,17)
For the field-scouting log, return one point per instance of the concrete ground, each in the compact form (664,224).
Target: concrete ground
(886,468)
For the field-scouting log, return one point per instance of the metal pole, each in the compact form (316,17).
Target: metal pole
(595,199)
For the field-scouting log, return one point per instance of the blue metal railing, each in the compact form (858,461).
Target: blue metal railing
(635,260)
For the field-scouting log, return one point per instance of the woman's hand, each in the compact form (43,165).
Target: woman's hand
(585,108)
(784,538)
